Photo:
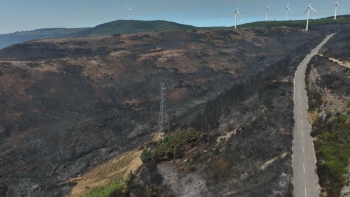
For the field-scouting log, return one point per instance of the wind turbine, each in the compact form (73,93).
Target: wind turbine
(200,24)
(335,7)
(267,10)
(308,14)
(221,21)
(128,11)
(287,10)
(209,22)
(236,12)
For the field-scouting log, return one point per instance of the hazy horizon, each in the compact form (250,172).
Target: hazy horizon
(38,14)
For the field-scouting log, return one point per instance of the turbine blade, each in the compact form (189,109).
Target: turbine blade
(290,10)
(313,9)
(306,10)
(288,5)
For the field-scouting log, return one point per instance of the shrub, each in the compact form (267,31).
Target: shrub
(146,156)
(348,105)
(173,145)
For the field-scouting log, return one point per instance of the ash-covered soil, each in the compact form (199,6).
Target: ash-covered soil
(254,160)
(338,47)
(70,104)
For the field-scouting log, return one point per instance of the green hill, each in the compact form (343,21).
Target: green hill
(132,26)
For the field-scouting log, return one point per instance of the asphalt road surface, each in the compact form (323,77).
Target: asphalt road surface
(305,179)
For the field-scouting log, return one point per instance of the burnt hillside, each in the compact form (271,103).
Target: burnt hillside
(69,104)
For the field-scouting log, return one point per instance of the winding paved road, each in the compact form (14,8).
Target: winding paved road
(305,179)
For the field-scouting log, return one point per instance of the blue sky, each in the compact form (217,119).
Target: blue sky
(20,15)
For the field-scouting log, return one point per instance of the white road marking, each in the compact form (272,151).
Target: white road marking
(302,147)
(305,191)
(304,167)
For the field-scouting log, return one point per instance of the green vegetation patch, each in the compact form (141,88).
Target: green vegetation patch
(172,146)
(106,190)
(334,155)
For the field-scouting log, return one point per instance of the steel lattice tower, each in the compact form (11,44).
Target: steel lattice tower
(163,116)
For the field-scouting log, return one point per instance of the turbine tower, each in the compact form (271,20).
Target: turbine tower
(267,10)
(287,10)
(128,11)
(335,7)
(308,14)
(163,116)
(236,12)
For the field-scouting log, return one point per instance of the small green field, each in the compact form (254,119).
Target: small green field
(106,190)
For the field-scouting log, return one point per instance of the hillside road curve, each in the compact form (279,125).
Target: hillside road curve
(305,179)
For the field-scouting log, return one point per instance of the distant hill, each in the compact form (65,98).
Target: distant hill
(342,19)
(132,26)
(111,28)
(19,37)
(137,26)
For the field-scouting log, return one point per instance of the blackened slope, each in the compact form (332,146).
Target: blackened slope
(338,47)
(62,114)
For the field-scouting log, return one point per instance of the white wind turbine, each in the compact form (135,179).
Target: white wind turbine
(209,22)
(128,11)
(236,12)
(267,10)
(221,21)
(335,7)
(287,10)
(308,14)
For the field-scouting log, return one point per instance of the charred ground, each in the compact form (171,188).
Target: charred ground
(69,104)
